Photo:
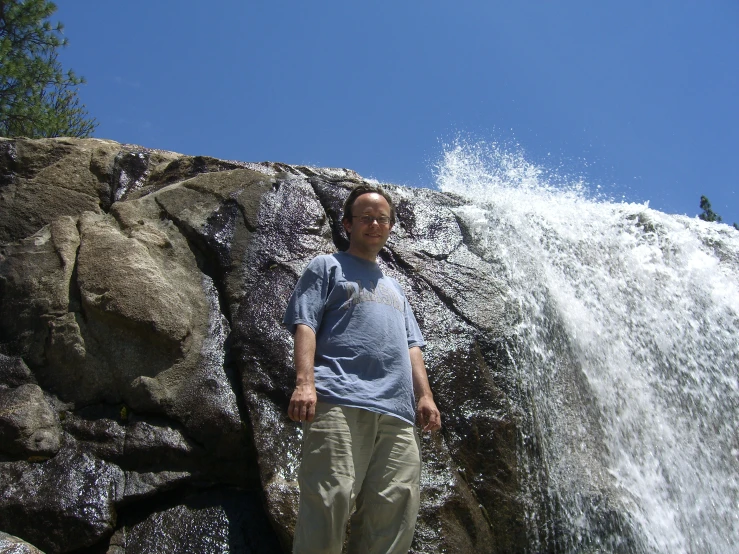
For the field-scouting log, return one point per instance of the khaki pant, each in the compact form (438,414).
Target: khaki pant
(354,457)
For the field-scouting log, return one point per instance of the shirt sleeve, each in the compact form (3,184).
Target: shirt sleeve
(308,300)
(415,338)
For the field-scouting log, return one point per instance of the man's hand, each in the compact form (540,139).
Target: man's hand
(428,414)
(303,400)
(303,403)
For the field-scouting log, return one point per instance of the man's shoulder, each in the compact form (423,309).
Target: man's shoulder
(321,266)
(323,260)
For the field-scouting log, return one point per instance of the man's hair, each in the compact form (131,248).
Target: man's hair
(358,191)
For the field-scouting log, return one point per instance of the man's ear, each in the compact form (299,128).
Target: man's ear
(347,226)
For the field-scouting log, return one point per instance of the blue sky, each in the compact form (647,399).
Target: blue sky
(641,98)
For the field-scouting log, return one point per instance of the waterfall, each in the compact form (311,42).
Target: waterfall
(627,349)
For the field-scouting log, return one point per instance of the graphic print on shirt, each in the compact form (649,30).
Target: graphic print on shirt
(356,293)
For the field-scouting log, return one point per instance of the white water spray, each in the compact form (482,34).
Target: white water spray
(628,350)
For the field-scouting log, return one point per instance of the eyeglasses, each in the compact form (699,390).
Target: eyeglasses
(368,219)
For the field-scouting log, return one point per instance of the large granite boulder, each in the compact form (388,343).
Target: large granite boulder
(144,373)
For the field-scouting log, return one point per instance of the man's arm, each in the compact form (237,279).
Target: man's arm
(427,412)
(303,401)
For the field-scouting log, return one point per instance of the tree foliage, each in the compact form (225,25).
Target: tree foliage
(37,97)
(708,214)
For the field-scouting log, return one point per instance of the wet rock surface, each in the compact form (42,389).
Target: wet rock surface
(221,520)
(144,373)
(62,504)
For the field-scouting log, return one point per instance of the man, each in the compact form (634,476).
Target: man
(358,366)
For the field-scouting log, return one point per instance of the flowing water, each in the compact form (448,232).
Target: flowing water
(627,349)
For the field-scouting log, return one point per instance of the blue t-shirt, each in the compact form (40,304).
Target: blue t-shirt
(364,327)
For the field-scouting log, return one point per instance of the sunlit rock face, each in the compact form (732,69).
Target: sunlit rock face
(9,543)
(145,376)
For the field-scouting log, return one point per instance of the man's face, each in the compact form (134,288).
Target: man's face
(368,238)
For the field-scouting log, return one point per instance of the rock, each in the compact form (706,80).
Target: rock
(210,521)
(218,212)
(48,178)
(62,504)
(154,444)
(145,312)
(43,179)
(140,486)
(36,285)
(14,371)
(28,425)
(13,545)
(165,168)
(97,432)
(135,266)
